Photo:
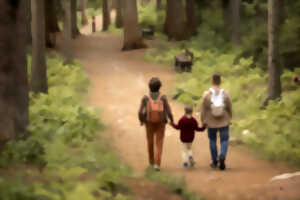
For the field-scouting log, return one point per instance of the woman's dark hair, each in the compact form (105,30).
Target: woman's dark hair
(216,79)
(154,84)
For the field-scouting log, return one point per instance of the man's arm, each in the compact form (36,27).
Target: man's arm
(228,104)
(204,107)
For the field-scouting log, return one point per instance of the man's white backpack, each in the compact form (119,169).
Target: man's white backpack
(217,99)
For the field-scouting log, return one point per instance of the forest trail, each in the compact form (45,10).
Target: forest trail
(119,81)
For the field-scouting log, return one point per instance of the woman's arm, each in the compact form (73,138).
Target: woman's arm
(142,110)
(168,108)
(197,128)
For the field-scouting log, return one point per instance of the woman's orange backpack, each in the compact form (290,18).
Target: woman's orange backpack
(155,110)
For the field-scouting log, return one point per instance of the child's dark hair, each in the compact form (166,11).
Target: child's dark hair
(188,110)
(216,79)
(154,84)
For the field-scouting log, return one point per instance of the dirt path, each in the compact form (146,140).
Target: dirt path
(119,81)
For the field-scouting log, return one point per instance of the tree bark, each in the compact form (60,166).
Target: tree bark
(75,30)
(51,22)
(274,69)
(191,17)
(175,25)
(14,96)
(119,17)
(158,5)
(28,21)
(67,32)
(106,15)
(235,6)
(132,35)
(38,62)
(84,20)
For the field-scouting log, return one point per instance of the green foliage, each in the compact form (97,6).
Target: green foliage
(64,143)
(14,190)
(149,16)
(175,184)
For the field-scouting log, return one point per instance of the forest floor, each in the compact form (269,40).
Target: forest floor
(119,81)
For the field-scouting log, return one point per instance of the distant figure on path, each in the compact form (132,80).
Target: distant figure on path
(187,126)
(217,115)
(154,113)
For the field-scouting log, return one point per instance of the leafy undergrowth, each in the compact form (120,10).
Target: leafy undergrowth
(174,184)
(64,157)
(272,131)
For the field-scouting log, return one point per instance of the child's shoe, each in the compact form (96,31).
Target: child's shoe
(192,162)
(185,165)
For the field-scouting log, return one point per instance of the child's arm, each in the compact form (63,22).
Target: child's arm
(176,126)
(200,128)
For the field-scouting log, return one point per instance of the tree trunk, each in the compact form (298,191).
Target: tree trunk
(38,62)
(119,17)
(75,30)
(114,4)
(191,17)
(84,20)
(132,35)
(106,15)
(67,32)
(175,25)
(235,6)
(14,96)
(51,22)
(274,69)
(158,5)
(28,21)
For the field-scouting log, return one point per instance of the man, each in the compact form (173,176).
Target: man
(154,113)
(217,115)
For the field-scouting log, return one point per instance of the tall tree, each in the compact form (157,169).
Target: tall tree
(67,31)
(119,17)
(28,21)
(13,71)
(175,24)
(84,20)
(274,69)
(235,7)
(51,22)
(75,30)
(38,66)
(106,15)
(132,35)
(231,16)
(191,17)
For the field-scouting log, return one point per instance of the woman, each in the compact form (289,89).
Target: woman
(154,113)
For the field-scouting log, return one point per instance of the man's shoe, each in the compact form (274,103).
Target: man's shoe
(222,163)
(185,165)
(192,162)
(214,165)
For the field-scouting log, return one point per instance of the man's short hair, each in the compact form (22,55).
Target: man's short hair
(188,110)
(216,79)
(154,84)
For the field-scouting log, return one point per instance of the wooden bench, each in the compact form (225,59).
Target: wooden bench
(148,33)
(184,61)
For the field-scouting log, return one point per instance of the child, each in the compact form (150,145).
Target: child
(187,126)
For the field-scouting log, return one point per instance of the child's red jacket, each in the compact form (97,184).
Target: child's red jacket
(187,127)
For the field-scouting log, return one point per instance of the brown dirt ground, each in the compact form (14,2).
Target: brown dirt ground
(119,81)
